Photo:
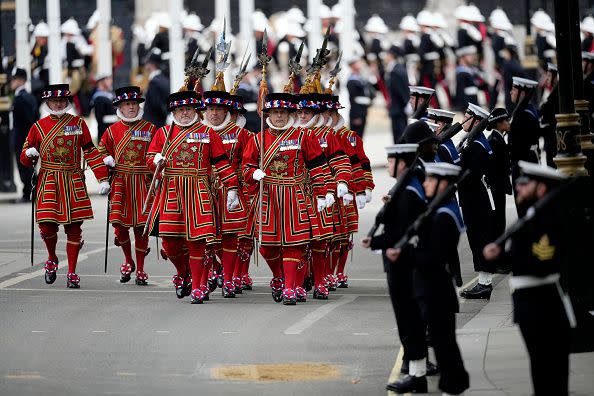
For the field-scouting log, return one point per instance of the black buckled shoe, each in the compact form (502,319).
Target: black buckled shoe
(409,384)
(126,272)
(72,281)
(478,291)
(228,290)
(141,278)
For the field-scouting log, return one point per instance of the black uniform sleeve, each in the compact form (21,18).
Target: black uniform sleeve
(403,213)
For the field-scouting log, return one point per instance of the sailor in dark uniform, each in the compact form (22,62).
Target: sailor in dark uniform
(476,201)
(548,108)
(541,309)
(401,212)
(525,128)
(499,175)
(434,288)
(102,103)
(511,68)
(446,151)
(418,97)
(360,97)
(466,84)
(397,82)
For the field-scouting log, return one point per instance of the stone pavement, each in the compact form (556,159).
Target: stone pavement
(495,356)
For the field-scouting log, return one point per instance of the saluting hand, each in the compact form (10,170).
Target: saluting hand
(491,251)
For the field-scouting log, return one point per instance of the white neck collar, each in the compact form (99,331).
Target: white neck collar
(46,109)
(288,125)
(339,123)
(320,122)
(130,120)
(309,123)
(240,121)
(186,124)
(218,127)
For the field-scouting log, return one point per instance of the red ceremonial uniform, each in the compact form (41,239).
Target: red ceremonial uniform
(186,201)
(61,192)
(234,140)
(288,214)
(128,144)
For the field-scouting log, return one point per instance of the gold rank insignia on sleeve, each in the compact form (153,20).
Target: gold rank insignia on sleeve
(543,250)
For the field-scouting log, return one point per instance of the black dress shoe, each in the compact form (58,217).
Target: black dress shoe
(478,291)
(409,384)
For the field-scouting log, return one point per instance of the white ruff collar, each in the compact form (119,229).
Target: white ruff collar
(46,109)
(308,124)
(130,120)
(240,121)
(186,124)
(320,122)
(329,122)
(339,123)
(218,127)
(288,125)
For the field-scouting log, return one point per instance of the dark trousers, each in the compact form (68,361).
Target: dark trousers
(25,172)
(439,304)
(411,327)
(540,314)
(359,129)
(398,127)
(478,218)
(6,170)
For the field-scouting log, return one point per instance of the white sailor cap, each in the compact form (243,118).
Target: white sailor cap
(532,171)
(520,82)
(542,20)
(404,148)
(588,56)
(409,23)
(467,50)
(442,169)
(432,125)
(420,91)
(440,115)
(477,111)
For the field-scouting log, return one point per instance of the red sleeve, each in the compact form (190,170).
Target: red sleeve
(365,164)
(155,147)
(33,140)
(106,144)
(220,160)
(338,161)
(315,161)
(250,161)
(92,155)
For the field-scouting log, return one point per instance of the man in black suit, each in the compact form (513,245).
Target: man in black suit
(24,113)
(155,107)
(397,81)
(101,101)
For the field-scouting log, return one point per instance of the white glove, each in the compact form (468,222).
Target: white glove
(347,199)
(258,175)
(368,195)
(104,188)
(329,200)
(321,204)
(158,158)
(360,201)
(232,200)
(32,152)
(341,190)
(109,161)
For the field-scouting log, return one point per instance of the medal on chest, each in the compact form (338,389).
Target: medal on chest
(145,136)
(197,137)
(229,138)
(352,140)
(323,142)
(289,144)
(70,130)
